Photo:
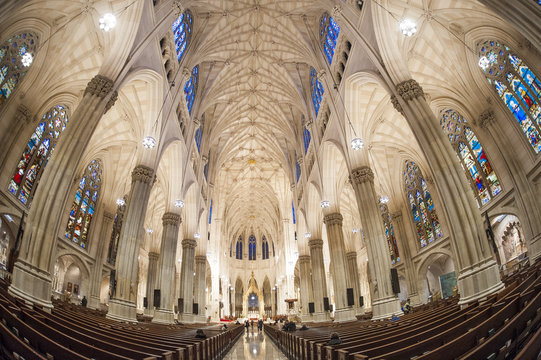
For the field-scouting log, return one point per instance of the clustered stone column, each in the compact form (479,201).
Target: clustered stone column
(384,302)
(318,277)
(151,280)
(353,271)
(186,278)
(122,305)
(96,277)
(306,284)
(200,286)
(478,273)
(31,278)
(337,252)
(166,268)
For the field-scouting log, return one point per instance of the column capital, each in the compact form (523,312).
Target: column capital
(304,259)
(351,255)
(153,256)
(333,219)
(409,90)
(189,243)
(396,104)
(361,175)
(112,100)
(315,243)
(143,173)
(99,86)
(200,259)
(23,114)
(486,118)
(170,218)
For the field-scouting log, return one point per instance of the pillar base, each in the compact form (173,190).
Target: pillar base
(122,310)
(94,302)
(359,311)
(163,316)
(479,282)
(186,318)
(415,299)
(320,317)
(347,314)
(385,308)
(200,319)
(31,285)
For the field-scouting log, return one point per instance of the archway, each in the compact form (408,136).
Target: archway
(70,279)
(437,278)
(509,239)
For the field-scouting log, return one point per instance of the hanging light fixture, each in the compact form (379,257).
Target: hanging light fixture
(408,27)
(357,144)
(384,199)
(307,235)
(149,231)
(355,230)
(149,142)
(27,59)
(197,235)
(107,22)
(120,202)
(325,204)
(179,203)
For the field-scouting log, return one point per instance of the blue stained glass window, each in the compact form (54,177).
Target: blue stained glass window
(328,34)
(36,154)
(190,89)
(238,253)
(182,32)
(293,211)
(82,211)
(518,87)
(389,234)
(210,212)
(426,220)
(199,137)
(317,90)
(251,247)
(306,138)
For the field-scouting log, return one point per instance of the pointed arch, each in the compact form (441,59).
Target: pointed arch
(182,32)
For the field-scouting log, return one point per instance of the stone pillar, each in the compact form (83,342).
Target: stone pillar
(384,301)
(122,306)
(353,271)
(318,277)
(307,295)
(103,246)
(186,279)
(152,274)
(167,269)
(478,273)
(13,131)
(337,251)
(200,296)
(32,270)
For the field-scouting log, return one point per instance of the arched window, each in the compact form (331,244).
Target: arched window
(306,139)
(84,205)
(251,248)
(239,248)
(317,90)
(231,249)
(199,137)
(190,89)
(517,86)
(264,248)
(37,152)
(182,31)
(293,212)
(483,179)
(426,220)
(389,233)
(328,34)
(12,66)
(115,236)
(298,170)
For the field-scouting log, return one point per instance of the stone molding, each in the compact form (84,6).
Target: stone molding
(200,259)
(189,243)
(351,255)
(304,259)
(112,101)
(362,175)
(486,118)
(153,256)
(409,90)
(143,173)
(396,215)
(23,114)
(333,219)
(171,219)
(108,216)
(99,86)
(315,243)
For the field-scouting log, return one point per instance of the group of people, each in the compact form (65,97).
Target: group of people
(250,323)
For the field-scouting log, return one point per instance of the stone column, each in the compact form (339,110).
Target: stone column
(152,274)
(478,273)
(32,270)
(318,277)
(353,271)
(200,285)
(122,306)
(186,279)
(13,131)
(167,269)
(103,245)
(384,301)
(337,251)
(306,286)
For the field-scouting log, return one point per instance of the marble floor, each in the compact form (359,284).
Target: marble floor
(254,345)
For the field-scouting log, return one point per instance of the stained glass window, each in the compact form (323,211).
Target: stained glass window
(206,171)
(84,205)
(12,69)
(317,90)
(36,154)
(298,170)
(293,211)
(190,89)
(472,156)
(328,34)
(199,137)
(389,233)
(251,247)
(306,139)
(518,87)
(182,32)
(239,248)
(210,212)
(264,248)
(427,224)
(115,236)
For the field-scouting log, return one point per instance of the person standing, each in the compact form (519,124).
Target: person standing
(84,301)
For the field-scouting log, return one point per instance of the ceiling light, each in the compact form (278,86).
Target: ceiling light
(325,204)
(484,63)
(149,142)
(307,235)
(27,59)
(357,144)
(384,199)
(107,22)
(179,203)
(120,202)
(408,27)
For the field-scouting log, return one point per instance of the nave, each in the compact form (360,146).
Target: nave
(255,345)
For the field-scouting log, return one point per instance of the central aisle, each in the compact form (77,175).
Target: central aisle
(255,345)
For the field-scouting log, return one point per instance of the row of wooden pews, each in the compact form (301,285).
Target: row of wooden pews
(69,333)
(504,326)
